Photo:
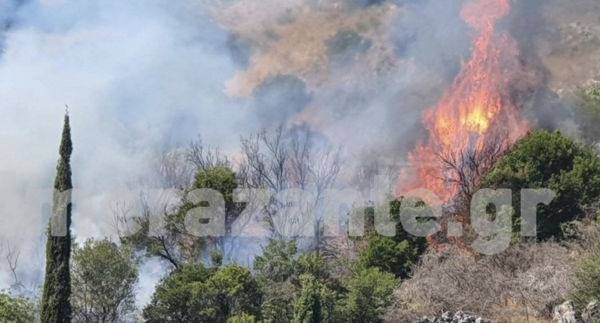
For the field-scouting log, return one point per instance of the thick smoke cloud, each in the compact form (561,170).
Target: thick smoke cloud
(142,75)
(137,76)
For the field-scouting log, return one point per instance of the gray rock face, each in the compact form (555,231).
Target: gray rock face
(458,317)
(591,313)
(565,313)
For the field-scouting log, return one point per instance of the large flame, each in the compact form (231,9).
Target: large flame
(476,108)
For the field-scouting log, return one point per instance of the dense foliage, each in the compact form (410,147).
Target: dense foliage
(545,160)
(286,283)
(104,279)
(315,303)
(284,287)
(369,292)
(176,245)
(195,293)
(16,309)
(394,254)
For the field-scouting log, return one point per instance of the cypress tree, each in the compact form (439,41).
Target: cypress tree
(56,305)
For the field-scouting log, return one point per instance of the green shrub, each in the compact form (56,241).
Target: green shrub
(369,294)
(315,302)
(545,160)
(389,256)
(586,285)
(199,294)
(15,309)
(394,255)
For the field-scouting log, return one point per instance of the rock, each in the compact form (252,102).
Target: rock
(458,317)
(565,313)
(447,317)
(590,314)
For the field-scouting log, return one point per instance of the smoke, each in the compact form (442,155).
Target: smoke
(361,72)
(142,75)
(137,76)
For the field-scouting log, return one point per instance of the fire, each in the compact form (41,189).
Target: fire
(478,105)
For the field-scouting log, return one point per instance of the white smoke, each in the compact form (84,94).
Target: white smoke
(137,75)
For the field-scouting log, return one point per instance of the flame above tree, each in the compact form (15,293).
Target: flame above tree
(477,108)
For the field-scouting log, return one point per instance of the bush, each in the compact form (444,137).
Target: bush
(587,278)
(527,277)
(104,279)
(199,294)
(593,92)
(220,178)
(15,309)
(394,255)
(283,276)
(389,256)
(544,160)
(369,294)
(315,302)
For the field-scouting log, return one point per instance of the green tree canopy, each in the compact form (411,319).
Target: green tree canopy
(389,255)
(220,178)
(15,309)
(545,160)
(176,245)
(279,270)
(369,294)
(277,262)
(395,254)
(244,318)
(104,279)
(315,302)
(196,294)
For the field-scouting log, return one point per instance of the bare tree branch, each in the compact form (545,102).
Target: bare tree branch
(290,159)
(12,258)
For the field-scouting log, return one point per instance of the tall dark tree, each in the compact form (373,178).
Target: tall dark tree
(56,306)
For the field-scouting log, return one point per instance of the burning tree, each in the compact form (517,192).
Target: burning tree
(476,119)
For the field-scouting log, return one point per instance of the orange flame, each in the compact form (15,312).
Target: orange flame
(476,106)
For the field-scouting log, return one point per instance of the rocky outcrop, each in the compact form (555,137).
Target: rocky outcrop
(458,317)
(566,313)
(591,314)
(563,313)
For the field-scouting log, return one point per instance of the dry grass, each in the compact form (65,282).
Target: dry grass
(520,285)
(289,37)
